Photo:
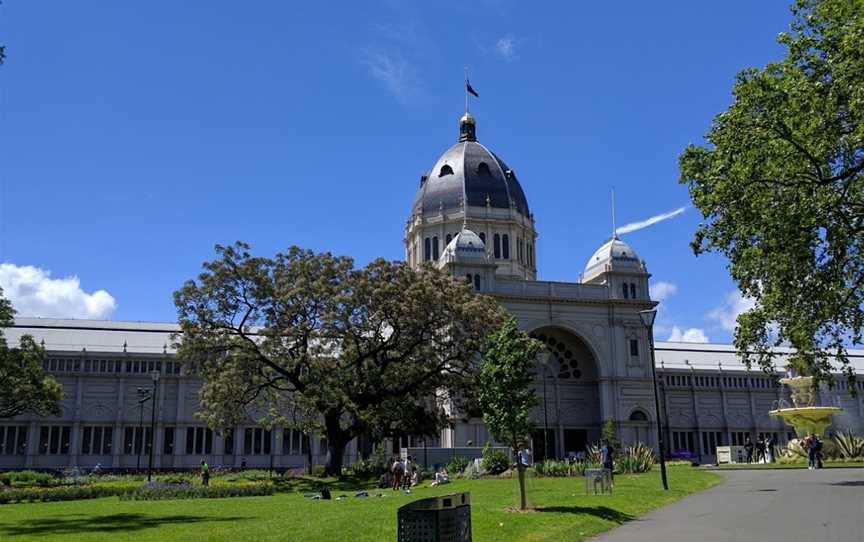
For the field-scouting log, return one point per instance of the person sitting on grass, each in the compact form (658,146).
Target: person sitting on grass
(205,473)
(441,477)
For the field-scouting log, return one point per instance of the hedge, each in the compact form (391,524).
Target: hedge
(53,494)
(165,492)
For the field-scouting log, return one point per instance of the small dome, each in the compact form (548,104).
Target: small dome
(616,255)
(466,247)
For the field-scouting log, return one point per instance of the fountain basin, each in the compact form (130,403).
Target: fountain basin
(814,420)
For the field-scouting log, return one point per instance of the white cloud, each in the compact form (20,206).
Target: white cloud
(689,335)
(393,71)
(505,47)
(727,313)
(33,292)
(634,226)
(662,290)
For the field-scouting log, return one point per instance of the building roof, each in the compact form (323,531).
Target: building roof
(109,336)
(466,247)
(469,171)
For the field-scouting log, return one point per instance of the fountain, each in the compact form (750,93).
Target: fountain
(806,415)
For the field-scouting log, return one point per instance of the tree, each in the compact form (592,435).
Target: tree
(781,188)
(608,434)
(24,386)
(367,350)
(506,391)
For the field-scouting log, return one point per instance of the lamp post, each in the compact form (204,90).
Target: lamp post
(143,397)
(544,359)
(155,376)
(647,317)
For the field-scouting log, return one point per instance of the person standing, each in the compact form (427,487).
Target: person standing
(607,454)
(748,449)
(818,453)
(769,448)
(810,446)
(205,473)
(409,471)
(398,470)
(760,449)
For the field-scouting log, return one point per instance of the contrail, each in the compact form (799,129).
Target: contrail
(633,226)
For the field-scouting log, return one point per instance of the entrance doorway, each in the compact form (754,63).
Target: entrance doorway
(575,440)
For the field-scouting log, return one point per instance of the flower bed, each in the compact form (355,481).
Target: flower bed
(54,494)
(159,491)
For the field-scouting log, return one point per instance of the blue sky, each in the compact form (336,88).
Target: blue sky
(136,135)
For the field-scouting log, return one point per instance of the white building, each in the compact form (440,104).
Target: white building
(471,217)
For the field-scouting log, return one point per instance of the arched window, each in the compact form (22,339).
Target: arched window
(427,249)
(449,238)
(445,170)
(626,291)
(483,237)
(497,243)
(468,278)
(435,248)
(638,416)
(477,282)
(483,169)
(530,254)
(416,252)
(505,241)
(632,291)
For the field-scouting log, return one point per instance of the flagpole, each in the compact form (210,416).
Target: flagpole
(614,229)
(466,89)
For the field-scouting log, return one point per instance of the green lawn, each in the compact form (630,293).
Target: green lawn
(802,465)
(562,512)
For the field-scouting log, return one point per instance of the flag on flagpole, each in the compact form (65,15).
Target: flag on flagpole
(470,89)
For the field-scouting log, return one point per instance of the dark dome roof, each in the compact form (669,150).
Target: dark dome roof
(469,170)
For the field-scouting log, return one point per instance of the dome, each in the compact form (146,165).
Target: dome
(617,255)
(469,171)
(466,247)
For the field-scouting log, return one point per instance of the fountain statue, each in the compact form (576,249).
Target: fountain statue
(806,415)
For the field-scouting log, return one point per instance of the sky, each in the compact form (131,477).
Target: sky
(134,136)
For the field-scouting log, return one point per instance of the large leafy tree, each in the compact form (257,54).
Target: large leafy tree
(24,386)
(506,391)
(781,187)
(368,351)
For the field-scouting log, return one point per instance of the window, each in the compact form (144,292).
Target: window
(638,416)
(256,441)
(168,441)
(634,347)
(519,249)
(445,170)
(294,442)
(435,248)
(477,282)
(96,440)
(505,242)
(13,439)
(228,442)
(54,439)
(738,437)
(683,440)
(199,441)
(497,245)
(136,440)
(483,237)
(483,169)
(632,291)
(626,295)
(448,239)
(427,249)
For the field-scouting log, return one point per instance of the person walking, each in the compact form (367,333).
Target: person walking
(205,473)
(398,469)
(760,449)
(818,452)
(810,446)
(769,448)
(607,455)
(748,449)
(409,470)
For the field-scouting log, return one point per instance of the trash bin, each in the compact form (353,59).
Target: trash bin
(446,518)
(598,481)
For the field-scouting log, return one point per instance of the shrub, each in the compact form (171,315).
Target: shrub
(5,480)
(457,465)
(849,445)
(252,475)
(495,461)
(636,459)
(175,479)
(368,468)
(317,471)
(555,468)
(152,492)
(31,478)
(53,494)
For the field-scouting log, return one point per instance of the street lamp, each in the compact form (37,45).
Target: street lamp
(143,397)
(543,358)
(154,375)
(647,317)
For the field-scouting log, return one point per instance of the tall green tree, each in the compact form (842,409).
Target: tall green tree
(370,351)
(24,386)
(780,185)
(506,390)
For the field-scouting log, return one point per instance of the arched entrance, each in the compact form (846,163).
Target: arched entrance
(566,379)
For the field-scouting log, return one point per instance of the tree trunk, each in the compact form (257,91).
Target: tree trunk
(337,440)
(520,469)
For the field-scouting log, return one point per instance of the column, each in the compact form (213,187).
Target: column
(32,444)
(117,436)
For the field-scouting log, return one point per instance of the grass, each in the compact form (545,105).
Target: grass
(561,512)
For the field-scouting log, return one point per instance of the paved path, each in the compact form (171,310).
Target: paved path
(760,506)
